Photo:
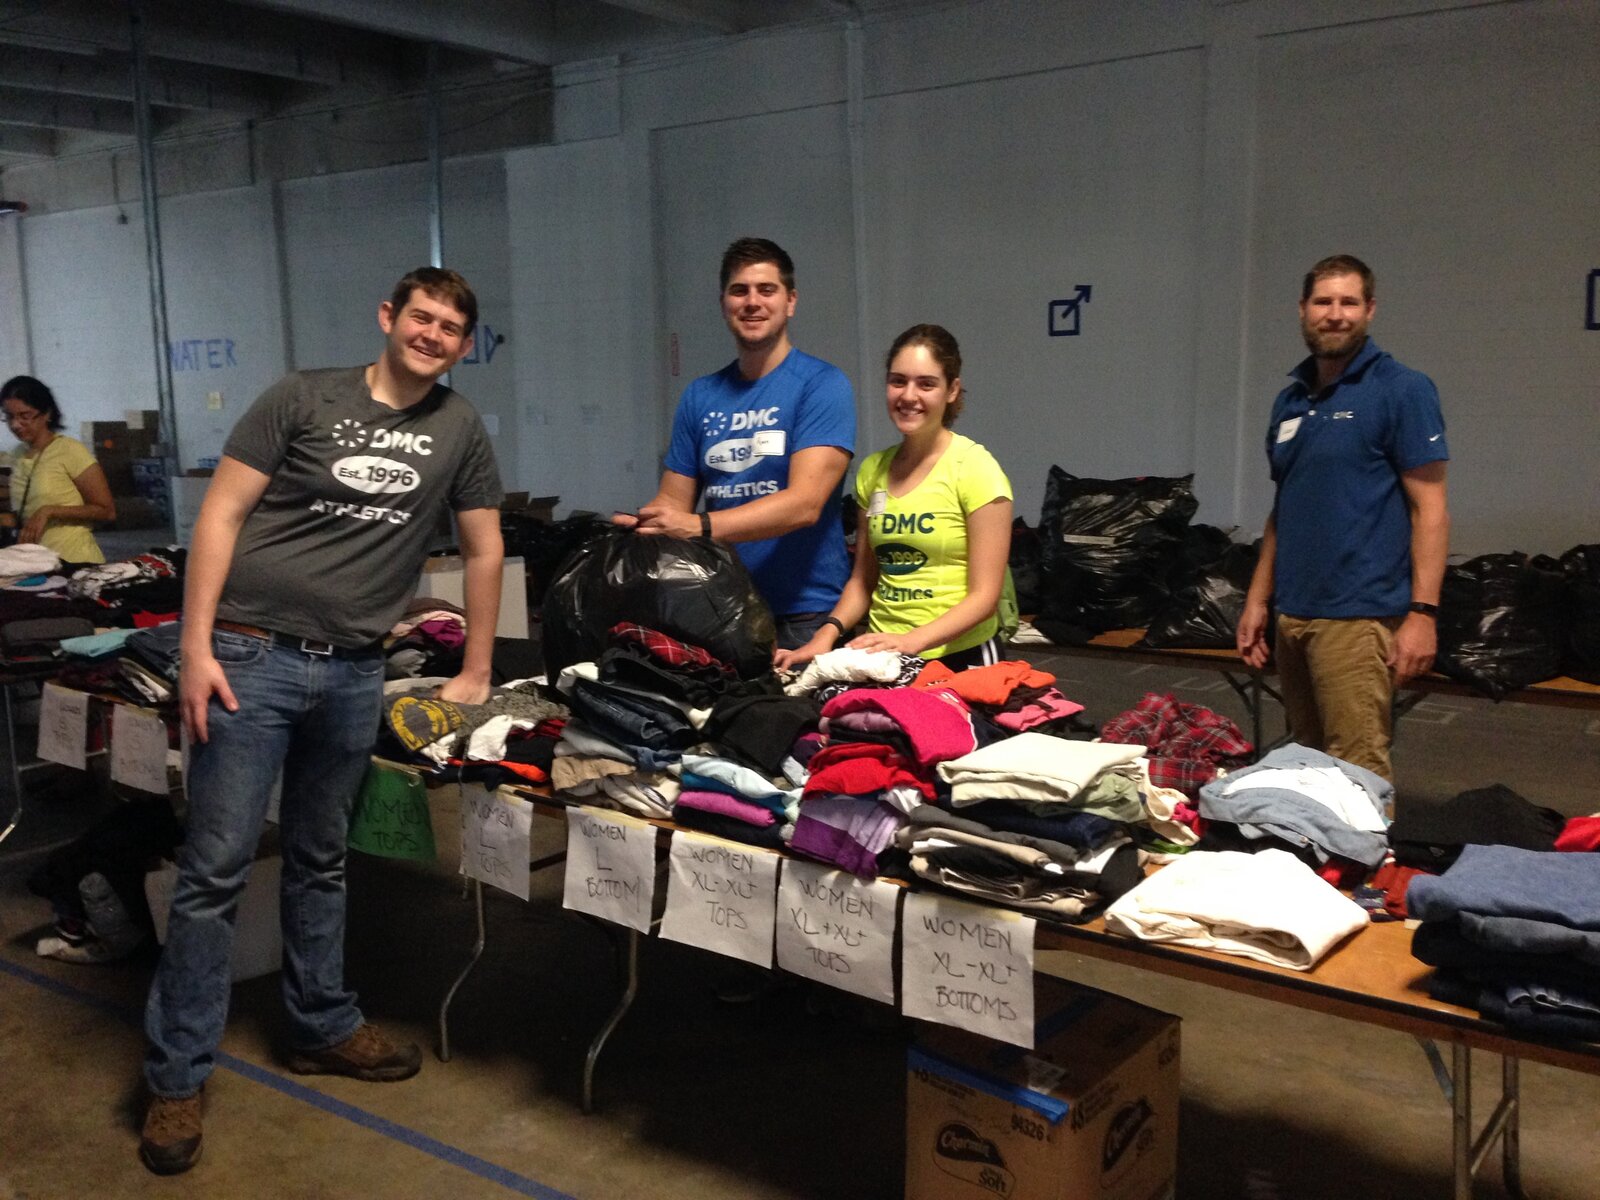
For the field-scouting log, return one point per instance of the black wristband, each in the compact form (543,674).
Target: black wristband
(705,524)
(836,623)
(1427,610)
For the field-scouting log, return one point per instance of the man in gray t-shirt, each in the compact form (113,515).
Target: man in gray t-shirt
(310,540)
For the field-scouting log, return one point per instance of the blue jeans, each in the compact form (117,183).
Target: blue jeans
(316,718)
(795,630)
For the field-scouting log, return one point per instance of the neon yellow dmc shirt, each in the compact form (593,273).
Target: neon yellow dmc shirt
(57,465)
(920,539)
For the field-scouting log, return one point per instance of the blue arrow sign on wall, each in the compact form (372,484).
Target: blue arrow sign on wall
(1065,315)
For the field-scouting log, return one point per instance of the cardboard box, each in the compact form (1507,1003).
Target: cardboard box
(1090,1114)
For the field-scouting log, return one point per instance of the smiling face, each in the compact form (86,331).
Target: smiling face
(426,337)
(1335,315)
(918,393)
(757,306)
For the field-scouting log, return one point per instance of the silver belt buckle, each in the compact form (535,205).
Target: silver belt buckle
(320,649)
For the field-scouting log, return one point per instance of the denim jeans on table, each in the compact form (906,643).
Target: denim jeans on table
(317,718)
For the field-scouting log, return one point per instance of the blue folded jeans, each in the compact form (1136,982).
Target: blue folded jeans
(315,718)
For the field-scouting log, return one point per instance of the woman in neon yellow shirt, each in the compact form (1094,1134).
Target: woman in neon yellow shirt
(57,489)
(934,528)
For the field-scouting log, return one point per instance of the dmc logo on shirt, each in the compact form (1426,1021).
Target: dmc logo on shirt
(905,523)
(755,418)
(352,434)
(1344,415)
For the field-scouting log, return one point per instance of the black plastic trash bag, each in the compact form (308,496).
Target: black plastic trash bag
(1110,548)
(1500,622)
(693,589)
(1581,566)
(1204,615)
(544,545)
(1025,562)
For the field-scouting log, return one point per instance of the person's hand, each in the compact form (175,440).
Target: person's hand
(653,518)
(33,529)
(1412,650)
(465,688)
(900,643)
(793,660)
(626,520)
(201,677)
(1251,636)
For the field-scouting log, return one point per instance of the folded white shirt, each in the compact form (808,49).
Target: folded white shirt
(1035,763)
(1268,906)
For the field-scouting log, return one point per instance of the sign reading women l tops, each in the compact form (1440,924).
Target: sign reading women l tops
(611,867)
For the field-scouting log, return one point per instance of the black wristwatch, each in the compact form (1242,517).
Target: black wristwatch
(705,524)
(1427,610)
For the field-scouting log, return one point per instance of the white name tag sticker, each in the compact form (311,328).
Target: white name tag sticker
(1288,429)
(878,504)
(769,443)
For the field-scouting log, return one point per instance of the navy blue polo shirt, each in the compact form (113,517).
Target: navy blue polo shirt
(1344,529)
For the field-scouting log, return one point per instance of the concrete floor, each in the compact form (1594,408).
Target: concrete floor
(697,1099)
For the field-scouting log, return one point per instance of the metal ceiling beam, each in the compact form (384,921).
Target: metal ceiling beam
(27,143)
(109,77)
(65,112)
(511,29)
(210,35)
(724,16)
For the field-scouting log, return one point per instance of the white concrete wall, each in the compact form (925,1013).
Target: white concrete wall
(1186,159)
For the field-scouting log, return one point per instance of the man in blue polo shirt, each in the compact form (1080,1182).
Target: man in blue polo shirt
(766,440)
(1353,554)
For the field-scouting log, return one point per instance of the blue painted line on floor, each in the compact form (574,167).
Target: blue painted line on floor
(480,1167)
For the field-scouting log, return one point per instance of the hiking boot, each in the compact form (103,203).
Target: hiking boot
(170,1141)
(366,1054)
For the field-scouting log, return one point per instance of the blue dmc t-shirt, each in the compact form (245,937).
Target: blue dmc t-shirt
(1344,529)
(735,437)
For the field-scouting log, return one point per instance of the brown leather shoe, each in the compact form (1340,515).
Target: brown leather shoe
(366,1054)
(170,1142)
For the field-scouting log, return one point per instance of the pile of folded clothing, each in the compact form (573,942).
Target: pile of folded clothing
(429,639)
(144,590)
(1014,695)
(721,796)
(1427,839)
(1332,814)
(634,714)
(877,765)
(514,731)
(1267,906)
(1188,744)
(837,671)
(1515,934)
(140,665)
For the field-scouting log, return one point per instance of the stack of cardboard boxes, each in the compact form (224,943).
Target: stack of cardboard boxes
(129,452)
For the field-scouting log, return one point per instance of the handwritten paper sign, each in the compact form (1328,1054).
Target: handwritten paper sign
(611,867)
(391,817)
(138,749)
(63,726)
(968,966)
(721,896)
(837,929)
(495,828)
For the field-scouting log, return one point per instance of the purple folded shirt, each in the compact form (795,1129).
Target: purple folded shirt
(847,831)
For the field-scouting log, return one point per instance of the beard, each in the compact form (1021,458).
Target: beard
(1333,343)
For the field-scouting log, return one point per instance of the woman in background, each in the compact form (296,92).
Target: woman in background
(934,525)
(57,489)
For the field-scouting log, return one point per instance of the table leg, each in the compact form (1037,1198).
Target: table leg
(15,765)
(629,991)
(477,953)
(1511,1146)
(1461,1118)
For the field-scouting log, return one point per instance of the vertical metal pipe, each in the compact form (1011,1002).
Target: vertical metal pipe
(855,120)
(435,163)
(152,242)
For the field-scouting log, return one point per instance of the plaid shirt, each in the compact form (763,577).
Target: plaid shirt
(1188,743)
(668,650)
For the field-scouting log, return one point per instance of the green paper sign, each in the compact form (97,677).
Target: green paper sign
(391,817)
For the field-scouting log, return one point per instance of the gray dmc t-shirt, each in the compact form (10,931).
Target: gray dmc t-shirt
(335,547)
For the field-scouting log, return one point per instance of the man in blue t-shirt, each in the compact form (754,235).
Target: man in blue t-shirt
(1353,554)
(766,441)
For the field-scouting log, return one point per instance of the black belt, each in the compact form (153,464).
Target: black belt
(287,640)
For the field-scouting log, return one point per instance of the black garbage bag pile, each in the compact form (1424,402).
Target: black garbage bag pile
(1110,551)
(1581,566)
(1026,563)
(1501,622)
(542,545)
(693,589)
(1204,613)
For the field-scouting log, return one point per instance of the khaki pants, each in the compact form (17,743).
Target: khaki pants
(1337,692)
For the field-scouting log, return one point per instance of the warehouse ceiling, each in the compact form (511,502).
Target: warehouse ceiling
(66,66)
